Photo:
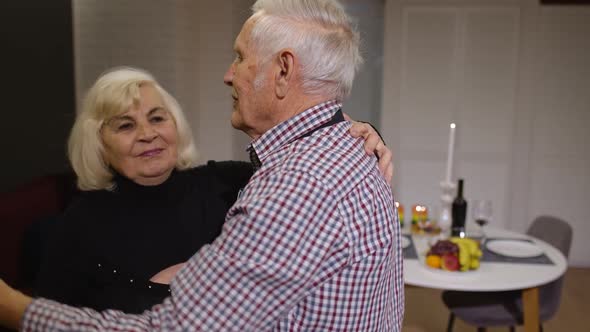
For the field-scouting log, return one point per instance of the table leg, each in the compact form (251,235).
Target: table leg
(530,308)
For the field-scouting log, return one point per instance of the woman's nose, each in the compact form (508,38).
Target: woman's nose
(147,133)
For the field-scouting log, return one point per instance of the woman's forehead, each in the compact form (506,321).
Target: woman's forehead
(131,98)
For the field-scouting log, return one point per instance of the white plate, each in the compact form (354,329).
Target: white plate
(514,248)
(405,242)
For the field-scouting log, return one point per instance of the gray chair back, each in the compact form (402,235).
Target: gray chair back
(554,231)
(557,233)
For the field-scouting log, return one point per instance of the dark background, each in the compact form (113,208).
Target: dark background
(38,90)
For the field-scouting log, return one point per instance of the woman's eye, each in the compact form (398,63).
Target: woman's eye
(157,119)
(125,126)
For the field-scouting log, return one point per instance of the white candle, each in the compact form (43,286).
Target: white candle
(451,152)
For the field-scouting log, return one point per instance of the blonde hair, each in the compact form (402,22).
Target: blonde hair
(320,32)
(113,93)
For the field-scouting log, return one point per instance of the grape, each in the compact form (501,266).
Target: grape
(442,247)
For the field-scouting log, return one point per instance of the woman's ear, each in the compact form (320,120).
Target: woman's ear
(285,72)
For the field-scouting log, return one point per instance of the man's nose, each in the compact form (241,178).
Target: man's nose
(229,75)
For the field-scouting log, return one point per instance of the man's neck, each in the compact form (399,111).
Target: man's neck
(287,108)
(294,106)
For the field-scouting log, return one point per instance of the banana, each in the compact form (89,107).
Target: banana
(470,248)
(473,245)
(464,256)
(478,253)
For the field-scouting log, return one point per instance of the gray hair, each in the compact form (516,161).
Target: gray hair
(320,33)
(113,94)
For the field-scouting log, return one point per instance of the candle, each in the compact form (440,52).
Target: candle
(419,213)
(450,154)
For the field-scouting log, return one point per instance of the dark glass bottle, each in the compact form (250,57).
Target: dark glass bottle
(459,212)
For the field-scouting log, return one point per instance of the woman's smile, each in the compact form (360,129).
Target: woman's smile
(151,152)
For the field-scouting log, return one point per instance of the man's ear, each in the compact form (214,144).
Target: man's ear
(285,72)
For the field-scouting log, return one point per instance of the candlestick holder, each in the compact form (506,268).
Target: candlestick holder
(446,200)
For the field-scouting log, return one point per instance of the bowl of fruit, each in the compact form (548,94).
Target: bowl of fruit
(455,255)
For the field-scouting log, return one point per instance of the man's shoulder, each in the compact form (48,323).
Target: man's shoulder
(332,156)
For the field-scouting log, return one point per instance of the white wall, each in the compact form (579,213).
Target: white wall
(135,33)
(364,102)
(515,77)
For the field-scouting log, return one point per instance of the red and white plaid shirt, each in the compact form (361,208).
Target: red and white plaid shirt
(311,244)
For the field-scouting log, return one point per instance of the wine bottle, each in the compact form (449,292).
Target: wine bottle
(459,212)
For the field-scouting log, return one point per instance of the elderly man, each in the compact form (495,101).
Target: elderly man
(312,243)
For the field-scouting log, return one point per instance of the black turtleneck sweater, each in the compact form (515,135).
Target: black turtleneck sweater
(109,244)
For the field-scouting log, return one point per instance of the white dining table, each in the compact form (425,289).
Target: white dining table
(491,276)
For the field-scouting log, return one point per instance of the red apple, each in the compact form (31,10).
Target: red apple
(450,262)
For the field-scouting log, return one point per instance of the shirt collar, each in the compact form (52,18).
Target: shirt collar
(288,131)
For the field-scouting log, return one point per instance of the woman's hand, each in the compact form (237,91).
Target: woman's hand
(12,306)
(374,145)
(165,276)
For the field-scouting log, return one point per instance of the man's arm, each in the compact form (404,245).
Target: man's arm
(280,239)
(12,306)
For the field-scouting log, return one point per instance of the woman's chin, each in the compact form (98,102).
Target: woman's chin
(153,177)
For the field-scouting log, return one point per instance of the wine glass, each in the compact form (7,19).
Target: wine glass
(482,213)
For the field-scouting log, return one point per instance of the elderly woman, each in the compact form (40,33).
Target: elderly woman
(145,206)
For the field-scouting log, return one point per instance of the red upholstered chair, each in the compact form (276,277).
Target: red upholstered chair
(43,197)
